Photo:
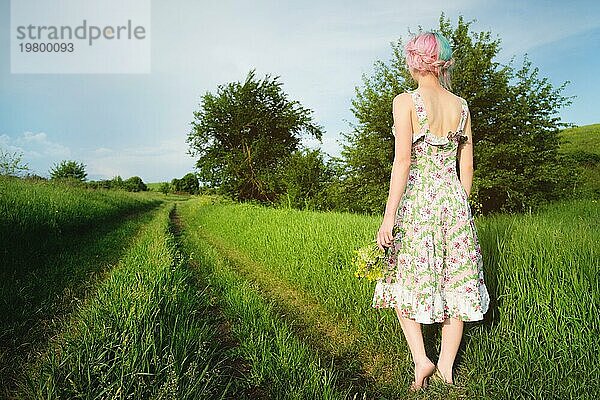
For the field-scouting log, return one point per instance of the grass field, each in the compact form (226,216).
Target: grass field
(537,340)
(56,241)
(109,294)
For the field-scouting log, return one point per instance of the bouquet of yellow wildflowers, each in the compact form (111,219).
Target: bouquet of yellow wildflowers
(370,261)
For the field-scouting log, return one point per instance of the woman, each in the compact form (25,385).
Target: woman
(434,265)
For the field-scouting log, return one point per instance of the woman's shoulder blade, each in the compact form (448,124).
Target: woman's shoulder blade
(403,95)
(403,99)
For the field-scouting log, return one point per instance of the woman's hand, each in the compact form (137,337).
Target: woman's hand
(384,236)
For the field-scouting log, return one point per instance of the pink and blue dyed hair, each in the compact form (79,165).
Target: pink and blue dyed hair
(430,51)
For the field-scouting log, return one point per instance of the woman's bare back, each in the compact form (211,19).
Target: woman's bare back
(443,110)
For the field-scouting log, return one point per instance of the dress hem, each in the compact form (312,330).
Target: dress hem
(434,307)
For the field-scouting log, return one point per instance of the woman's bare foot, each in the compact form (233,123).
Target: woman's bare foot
(422,373)
(445,374)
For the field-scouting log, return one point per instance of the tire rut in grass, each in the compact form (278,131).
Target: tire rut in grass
(238,366)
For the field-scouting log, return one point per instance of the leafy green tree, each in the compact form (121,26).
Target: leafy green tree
(189,183)
(516,130)
(514,123)
(68,169)
(135,184)
(176,185)
(117,182)
(101,184)
(165,188)
(305,177)
(12,163)
(243,133)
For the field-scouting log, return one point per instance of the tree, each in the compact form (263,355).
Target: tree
(68,169)
(117,182)
(305,177)
(135,184)
(516,125)
(243,133)
(177,185)
(189,183)
(165,188)
(11,163)
(513,121)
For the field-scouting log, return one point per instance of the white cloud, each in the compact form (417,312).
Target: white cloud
(102,151)
(163,161)
(35,145)
(39,152)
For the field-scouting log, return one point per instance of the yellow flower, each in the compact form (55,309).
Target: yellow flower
(370,261)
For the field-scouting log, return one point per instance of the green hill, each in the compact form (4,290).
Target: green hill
(581,147)
(584,138)
(154,186)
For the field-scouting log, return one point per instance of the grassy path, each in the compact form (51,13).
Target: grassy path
(282,361)
(146,332)
(236,366)
(363,371)
(335,338)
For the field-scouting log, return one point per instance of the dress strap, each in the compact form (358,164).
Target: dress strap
(463,115)
(420,108)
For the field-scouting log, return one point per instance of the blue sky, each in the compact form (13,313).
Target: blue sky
(137,124)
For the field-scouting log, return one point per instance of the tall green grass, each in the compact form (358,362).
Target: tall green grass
(55,240)
(542,340)
(35,216)
(36,211)
(147,333)
(281,362)
(540,337)
(32,308)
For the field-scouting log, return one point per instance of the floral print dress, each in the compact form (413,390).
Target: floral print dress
(434,268)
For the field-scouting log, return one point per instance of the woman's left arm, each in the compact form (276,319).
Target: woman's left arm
(401,110)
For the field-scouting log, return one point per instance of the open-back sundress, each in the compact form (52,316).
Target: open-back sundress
(434,267)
